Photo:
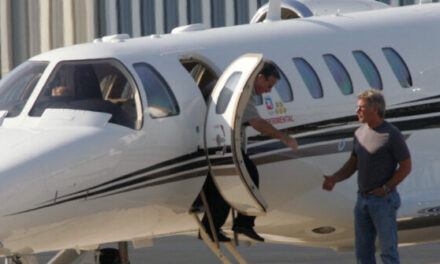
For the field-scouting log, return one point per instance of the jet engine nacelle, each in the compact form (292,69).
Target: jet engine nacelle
(291,9)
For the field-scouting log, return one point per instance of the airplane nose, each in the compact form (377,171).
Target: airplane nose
(39,164)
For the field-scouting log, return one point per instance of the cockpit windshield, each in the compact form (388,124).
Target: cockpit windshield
(92,85)
(18,85)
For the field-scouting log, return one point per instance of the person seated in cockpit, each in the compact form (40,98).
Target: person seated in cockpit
(78,88)
(62,91)
(83,93)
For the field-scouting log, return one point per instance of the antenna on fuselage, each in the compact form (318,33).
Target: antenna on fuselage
(274,13)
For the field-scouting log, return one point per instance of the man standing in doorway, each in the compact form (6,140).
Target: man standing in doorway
(219,208)
(378,148)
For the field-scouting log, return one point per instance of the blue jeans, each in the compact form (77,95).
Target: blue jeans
(376,215)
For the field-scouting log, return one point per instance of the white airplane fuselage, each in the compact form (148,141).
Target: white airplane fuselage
(72,179)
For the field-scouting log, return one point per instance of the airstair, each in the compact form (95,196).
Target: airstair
(215,245)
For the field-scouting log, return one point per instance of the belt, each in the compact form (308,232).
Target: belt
(364,194)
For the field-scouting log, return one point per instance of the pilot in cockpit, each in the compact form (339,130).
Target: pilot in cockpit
(63,91)
(88,87)
(80,90)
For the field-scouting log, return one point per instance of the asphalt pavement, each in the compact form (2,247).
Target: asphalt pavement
(187,249)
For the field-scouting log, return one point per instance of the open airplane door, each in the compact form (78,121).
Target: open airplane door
(223,140)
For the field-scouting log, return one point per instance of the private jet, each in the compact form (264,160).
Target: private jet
(112,140)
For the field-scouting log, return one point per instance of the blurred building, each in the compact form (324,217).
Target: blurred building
(29,27)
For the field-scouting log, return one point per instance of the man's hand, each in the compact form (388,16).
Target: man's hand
(329,183)
(267,129)
(379,192)
(291,142)
(342,174)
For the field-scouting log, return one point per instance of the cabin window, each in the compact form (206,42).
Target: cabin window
(368,69)
(161,100)
(100,86)
(309,77)
(282,87)
(399,67)
(203,76)
(18,85)
(226,93)
(339,73)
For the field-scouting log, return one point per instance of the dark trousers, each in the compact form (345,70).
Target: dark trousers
(219,208)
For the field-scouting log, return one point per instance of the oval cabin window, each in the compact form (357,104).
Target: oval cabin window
(339,73)
(368,69)
(310,78)
(399,67)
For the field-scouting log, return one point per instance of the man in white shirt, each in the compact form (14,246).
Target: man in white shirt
(263,83)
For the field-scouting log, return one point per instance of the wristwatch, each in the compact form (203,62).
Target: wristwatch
(386,189)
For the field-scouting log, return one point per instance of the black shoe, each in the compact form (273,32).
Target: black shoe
(249,232)
(220,235)
(197,209)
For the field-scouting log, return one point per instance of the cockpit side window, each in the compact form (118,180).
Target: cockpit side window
(160,98)
(100,86)
(18,85)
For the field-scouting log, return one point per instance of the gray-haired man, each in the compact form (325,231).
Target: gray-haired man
(377,149)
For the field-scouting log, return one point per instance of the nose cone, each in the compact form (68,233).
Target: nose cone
(39,164)
(54,135)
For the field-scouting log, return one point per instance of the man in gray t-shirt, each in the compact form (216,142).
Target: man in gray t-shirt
(377,150)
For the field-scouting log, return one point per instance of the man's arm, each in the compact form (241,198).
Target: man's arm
(343,173)
(267,129)
(400,174)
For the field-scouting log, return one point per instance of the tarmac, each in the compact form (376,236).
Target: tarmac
(187,249)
